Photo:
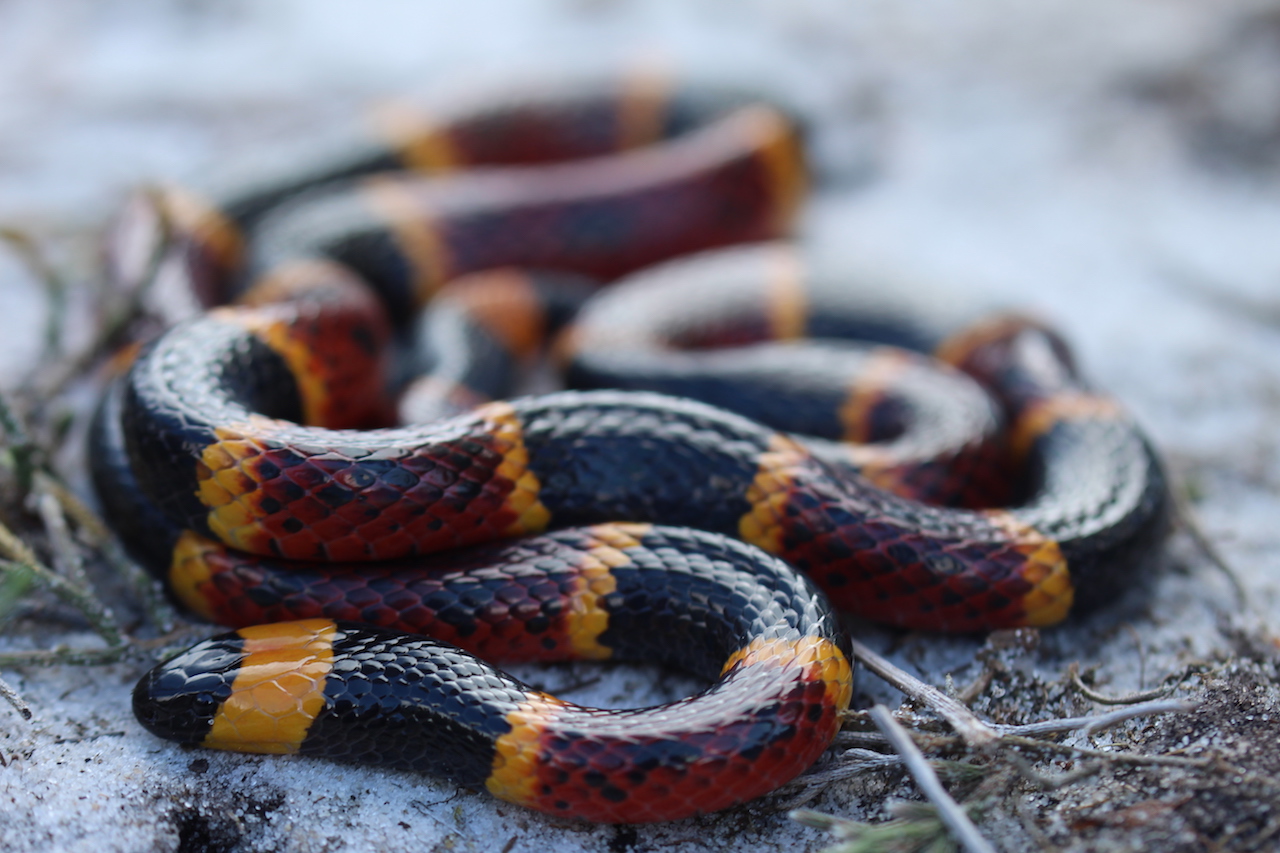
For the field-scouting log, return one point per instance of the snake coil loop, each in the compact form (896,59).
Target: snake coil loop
(325,543)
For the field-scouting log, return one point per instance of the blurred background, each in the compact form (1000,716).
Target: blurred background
(1065,150)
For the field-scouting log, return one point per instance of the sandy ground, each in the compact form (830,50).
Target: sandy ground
(1111,165)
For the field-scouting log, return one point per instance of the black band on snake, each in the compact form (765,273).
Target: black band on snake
(521,529)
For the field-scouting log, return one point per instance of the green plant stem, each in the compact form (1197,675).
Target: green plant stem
(145,588)
(83,600)
(21,449)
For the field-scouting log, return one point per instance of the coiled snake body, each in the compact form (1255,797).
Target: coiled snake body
(441,527)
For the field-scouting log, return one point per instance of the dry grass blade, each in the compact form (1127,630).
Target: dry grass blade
(1073,676)
(55,285)
(1190,523)
(1099,722)
(949,811)
(11,696)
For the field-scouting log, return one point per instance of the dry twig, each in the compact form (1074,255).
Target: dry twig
(11,696)
(1073,676)
(975,732)
(949,812)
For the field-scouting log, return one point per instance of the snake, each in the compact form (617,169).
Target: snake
(729,472)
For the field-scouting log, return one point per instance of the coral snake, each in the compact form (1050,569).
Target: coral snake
(604,522)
